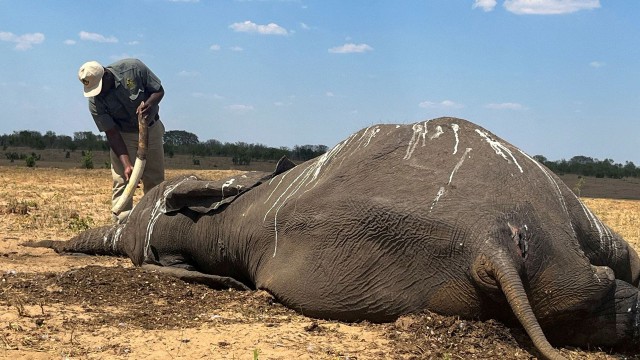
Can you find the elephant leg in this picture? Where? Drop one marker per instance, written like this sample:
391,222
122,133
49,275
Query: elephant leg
193,276
613,323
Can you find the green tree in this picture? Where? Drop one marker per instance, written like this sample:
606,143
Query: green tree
31,161
180,138
87,160
88,140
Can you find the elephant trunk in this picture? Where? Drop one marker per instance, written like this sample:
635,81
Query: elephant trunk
509,280
104,240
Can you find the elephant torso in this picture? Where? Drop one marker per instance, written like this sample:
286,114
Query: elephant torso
388,222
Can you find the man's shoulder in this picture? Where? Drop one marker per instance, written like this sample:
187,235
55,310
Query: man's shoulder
126,64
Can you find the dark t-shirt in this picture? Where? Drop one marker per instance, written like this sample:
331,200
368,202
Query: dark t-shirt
134,82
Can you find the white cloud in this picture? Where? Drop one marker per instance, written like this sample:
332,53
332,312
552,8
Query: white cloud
240,108
236,48
448,104
122,56
69,42
549,7
253,28
200,95
134,42
304,26
88,36
597,64
214,47
329,94
350,48
505,106
23,42
184,1
185,73
486,5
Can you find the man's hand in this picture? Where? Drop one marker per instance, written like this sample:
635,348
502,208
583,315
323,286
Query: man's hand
148,108
143,108
128,168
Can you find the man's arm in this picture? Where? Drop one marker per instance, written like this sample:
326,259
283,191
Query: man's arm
152,101
120,149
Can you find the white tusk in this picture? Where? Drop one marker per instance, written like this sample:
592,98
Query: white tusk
138,166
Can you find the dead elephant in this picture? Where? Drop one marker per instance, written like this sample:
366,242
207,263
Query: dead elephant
440,215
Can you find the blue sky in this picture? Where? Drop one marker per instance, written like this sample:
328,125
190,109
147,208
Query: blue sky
554,77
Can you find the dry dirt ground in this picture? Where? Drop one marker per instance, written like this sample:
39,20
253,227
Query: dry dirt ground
86,307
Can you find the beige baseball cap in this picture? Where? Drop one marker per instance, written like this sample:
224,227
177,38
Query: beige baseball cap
90,74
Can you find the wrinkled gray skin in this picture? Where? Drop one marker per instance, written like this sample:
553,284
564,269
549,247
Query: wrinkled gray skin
439,215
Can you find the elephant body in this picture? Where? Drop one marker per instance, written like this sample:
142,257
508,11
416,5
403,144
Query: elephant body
440,215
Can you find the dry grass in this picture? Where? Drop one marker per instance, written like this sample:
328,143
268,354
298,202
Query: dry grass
58,203
623,216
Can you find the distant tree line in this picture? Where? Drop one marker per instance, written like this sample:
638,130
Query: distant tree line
175,142
586,166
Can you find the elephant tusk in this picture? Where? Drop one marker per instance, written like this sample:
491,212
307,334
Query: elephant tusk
138,167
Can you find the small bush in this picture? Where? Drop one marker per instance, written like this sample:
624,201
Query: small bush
31,161
20,207
78,223
87,160
12,156
578,187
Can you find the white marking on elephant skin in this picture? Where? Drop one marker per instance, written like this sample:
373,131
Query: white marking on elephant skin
499,148
365,138
455,128
419,132
464,156
372,134
439,132
276,188
307,176
116,237
345,144
438,196
227,184
158,209
442,189
555,186
603,231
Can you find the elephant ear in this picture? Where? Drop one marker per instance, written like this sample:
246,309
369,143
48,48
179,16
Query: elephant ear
284,165
203,196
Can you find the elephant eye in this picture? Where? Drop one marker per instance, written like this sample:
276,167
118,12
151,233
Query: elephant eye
523,244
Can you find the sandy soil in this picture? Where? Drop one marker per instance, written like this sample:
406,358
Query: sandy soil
86,307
